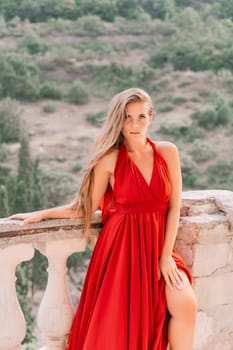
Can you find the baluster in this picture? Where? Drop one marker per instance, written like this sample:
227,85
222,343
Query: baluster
12,321
56,311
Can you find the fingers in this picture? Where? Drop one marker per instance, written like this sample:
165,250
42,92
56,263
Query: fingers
16,217
32,219
173,277
29,220
168,281
176,279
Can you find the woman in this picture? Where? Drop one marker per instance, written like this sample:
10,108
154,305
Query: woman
137,293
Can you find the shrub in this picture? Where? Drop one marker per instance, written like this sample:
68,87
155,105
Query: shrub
179,100
3,151
114,75
159,58
59,186
174,130
160,8
189,171
10,126
195,98
33,44
162,84
77,167
213,117
185,83
96,118
41,11
219,174
106,10
78,94
50,90
91,25
188,132
19,77
165,107
49,108
3,27
201,151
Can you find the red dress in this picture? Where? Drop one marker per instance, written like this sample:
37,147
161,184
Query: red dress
123,304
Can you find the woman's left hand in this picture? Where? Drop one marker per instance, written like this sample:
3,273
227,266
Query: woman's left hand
170,272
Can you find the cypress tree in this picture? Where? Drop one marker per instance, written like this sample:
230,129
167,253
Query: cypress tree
22,204
38,199
25,168
24,188
22,288
11,184
4,204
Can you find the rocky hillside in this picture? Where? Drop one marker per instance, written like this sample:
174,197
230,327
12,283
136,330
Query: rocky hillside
63,74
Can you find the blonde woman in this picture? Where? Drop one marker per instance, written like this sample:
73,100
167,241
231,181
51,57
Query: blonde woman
137,293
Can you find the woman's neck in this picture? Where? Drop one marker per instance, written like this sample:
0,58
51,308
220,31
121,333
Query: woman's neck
138,145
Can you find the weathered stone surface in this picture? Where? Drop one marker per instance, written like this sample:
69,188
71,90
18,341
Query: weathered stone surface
204,209
214,291
185,250
210,258
204,330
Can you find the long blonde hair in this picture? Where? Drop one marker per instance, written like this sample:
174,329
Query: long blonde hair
110,138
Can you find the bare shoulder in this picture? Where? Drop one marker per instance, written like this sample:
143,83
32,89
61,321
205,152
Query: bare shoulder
166,146
108,161
168,150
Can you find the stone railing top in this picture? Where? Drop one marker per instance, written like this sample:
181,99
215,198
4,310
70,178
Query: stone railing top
222,199
11,232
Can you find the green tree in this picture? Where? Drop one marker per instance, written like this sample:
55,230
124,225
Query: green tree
78,93
22,201
41,11
22,289
128,8
4,204
38,200
9,8
224,8
33,44
19,77
106,9
10,124
159,8
11,184
24,188
25,167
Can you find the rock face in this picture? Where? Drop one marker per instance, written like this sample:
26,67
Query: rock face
204,240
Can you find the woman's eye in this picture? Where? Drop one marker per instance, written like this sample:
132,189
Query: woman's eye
142,116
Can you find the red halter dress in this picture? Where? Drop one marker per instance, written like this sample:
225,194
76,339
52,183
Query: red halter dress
123,303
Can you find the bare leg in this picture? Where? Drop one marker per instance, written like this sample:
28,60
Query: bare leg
183,308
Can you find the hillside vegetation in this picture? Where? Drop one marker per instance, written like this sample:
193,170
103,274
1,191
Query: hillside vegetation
61,62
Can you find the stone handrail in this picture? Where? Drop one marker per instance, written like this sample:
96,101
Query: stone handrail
204,241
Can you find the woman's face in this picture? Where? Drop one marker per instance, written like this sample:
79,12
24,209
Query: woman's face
136,121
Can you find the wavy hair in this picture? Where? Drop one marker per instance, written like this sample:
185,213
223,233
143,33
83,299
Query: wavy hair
110,138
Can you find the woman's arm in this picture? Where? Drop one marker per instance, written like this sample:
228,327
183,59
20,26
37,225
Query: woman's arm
62,212
102,174
167,264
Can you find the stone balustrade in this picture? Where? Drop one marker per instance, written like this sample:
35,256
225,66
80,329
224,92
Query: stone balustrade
204,241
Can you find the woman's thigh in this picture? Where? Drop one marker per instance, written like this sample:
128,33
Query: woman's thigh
181,303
